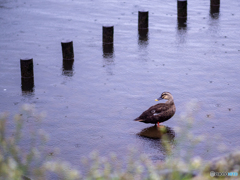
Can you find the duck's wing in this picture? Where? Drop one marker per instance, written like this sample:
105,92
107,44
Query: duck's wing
153,112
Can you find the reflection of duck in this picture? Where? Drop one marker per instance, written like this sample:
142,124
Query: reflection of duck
160,112
155,132
157,142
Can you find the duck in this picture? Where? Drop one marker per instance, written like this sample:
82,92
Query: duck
160,112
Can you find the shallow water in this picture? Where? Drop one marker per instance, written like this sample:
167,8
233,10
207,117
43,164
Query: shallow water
92,106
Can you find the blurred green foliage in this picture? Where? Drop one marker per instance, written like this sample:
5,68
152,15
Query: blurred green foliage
18,163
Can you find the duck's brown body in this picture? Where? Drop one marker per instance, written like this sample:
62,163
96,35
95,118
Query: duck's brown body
160,112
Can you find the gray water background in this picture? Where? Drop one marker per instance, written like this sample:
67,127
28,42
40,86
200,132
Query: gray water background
93,108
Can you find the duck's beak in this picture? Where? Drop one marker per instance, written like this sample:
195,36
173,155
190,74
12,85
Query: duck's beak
159,99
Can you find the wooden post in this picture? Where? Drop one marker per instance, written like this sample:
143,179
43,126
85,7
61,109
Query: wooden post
142,26
68,58
214,8
215,2
107,36
27,75
107,39
182,8
142,19
67,50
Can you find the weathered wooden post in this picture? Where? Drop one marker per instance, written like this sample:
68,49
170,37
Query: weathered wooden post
67,50
27,75
67,67
215,2
142,19
68,57
108,32
182,13
107,39
214,8
182,8
143,25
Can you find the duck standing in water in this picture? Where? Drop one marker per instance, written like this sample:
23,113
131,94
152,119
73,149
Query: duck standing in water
160,112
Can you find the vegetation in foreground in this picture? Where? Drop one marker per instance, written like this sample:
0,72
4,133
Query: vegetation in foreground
30,162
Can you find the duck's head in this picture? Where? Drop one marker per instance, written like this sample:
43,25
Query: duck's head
165,95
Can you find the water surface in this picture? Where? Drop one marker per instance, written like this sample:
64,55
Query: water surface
92,106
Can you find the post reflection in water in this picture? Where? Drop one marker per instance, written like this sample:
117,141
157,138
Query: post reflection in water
143,37
108,57
159,138
182,23
67,67
214,20
182,29
214,12
27,86
108,50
